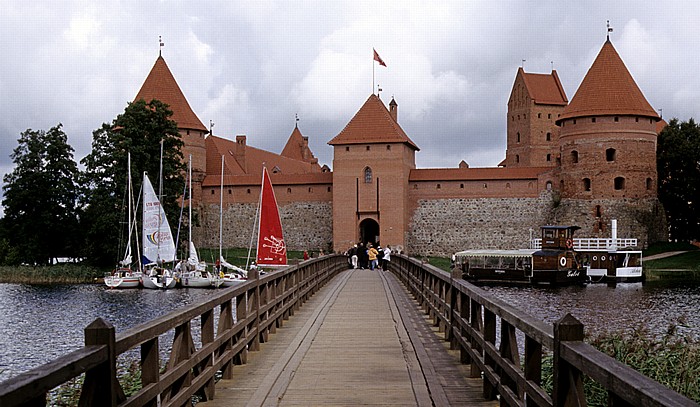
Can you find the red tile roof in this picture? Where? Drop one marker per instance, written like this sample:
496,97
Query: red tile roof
608,89
372,124
466,174
251,159
212,180
544,89
161,85
297,148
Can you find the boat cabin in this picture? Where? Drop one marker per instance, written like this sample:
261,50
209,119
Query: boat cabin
558,237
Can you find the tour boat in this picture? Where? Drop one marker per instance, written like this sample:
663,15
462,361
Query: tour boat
123,276
193,272
157,241
610,260
556,263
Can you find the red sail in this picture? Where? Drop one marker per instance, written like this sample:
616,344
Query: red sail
272,250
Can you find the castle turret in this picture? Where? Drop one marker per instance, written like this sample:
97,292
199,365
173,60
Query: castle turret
608,135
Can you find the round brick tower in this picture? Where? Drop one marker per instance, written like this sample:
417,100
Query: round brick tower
608,135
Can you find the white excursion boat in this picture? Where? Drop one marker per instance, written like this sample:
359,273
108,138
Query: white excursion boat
157,240
609,260
193,272
123,276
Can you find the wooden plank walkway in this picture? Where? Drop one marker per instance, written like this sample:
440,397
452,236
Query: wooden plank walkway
359,341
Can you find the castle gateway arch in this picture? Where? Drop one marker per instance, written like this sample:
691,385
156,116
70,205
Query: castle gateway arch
369,231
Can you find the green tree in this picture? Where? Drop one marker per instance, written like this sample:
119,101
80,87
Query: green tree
678,163
139,131
40,198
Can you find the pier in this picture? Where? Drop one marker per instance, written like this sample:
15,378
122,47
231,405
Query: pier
320,334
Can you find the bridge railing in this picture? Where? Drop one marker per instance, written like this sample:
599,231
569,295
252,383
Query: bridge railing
261,305
486,331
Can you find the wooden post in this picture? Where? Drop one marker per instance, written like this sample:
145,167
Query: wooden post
489,389
241,315
225,324
254,302
568,381
101,387
207,324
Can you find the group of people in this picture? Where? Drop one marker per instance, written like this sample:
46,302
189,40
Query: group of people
362,256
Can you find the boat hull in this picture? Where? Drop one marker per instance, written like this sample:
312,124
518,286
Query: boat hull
123,278
158,282
199,280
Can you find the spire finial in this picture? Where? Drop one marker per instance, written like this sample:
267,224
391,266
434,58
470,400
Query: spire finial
379,89
161,45
552,63
296,119
211,128
609,29
522,64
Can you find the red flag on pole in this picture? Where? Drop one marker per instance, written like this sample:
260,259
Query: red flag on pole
378,58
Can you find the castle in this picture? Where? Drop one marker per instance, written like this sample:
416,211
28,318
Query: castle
583,162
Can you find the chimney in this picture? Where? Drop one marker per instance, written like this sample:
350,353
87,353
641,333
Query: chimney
240,151
394,110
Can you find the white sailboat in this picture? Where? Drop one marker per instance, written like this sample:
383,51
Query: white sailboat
233,274
123,276
193,272
157,239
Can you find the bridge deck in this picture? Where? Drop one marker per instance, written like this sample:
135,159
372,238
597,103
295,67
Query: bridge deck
359,341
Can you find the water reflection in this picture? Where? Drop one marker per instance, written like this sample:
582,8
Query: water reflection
654,305
40,323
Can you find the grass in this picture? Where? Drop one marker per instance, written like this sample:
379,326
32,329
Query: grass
684,261
56,274
663,247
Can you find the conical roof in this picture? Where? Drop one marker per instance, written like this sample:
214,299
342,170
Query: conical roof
608,89
372,124
161,85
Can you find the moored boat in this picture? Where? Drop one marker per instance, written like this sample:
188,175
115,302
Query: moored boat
157,241
556,263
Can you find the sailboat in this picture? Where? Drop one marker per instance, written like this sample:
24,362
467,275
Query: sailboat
272,251
123,276
233,274
157,239
193,271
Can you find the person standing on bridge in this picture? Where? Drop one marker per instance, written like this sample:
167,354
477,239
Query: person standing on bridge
372,256
362,255
386,258
353,256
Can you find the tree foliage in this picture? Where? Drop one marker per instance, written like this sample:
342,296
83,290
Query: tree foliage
678,162
40,198
139,131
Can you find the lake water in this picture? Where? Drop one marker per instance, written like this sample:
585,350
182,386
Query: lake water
40,323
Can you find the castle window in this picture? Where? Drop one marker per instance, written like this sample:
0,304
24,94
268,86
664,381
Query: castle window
587,184
347,148
549,115
415,186
248,191
610,154
539,115
598,211
188,132
329,189
438,186
548,185
289,190
561,185
650,184
367,148
311,189
549,157
229,191
574,156
388,147
507,185
486,185
574,121
617,119
368,175
524,116
212,192
461,186
518,117
518,137
549,136
636,119
517,158
619,183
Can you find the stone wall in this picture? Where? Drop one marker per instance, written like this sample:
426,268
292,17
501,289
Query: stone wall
307,225
440,227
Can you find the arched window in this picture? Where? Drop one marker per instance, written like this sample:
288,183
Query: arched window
368,175
549,157
574,156
517,158
548,185
587,184
619,183
610,154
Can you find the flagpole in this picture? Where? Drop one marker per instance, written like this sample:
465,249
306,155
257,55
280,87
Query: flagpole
373,72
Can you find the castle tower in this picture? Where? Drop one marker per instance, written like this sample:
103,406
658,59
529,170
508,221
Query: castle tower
160,84
535,103
372,160
608,135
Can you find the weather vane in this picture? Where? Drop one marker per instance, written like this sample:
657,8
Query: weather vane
522,63
296,119
211,127
379,89
161,44
609,29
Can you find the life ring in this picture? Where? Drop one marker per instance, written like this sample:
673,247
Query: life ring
562,261
569,244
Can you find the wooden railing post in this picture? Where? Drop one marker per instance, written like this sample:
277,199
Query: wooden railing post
254,304
568,381
101,387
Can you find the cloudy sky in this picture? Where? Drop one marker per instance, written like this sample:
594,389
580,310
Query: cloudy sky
251,66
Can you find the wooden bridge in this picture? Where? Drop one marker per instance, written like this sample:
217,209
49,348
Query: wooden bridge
320,334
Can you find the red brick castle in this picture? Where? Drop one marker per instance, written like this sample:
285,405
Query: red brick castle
582,162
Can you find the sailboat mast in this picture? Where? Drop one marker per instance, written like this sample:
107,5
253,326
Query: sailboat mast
257,219
129,198
160,197
189,218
